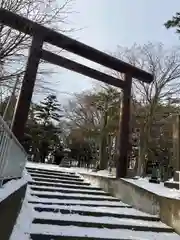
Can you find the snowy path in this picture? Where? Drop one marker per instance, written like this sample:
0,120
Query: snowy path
59,205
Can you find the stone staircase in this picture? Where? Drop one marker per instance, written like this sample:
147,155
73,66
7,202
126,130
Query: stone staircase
67,207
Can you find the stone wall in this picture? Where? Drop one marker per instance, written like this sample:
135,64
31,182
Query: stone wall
141,199
170,212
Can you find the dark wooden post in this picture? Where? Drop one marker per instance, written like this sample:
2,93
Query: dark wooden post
24,100
121,168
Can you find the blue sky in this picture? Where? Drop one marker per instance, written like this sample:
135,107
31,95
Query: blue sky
106,24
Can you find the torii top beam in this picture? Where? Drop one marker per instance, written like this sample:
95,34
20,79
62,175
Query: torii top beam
58,39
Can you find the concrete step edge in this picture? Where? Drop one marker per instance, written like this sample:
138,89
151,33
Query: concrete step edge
60,171
57,177
42,183
60,181
54,174
76,191
103,225
80,204
55,237
56,196
97,214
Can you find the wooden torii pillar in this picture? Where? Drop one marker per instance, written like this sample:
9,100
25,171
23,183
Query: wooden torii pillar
41,34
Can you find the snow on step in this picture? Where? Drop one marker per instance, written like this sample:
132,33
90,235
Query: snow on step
48,195
91,219
68,177
57,171
65,188
59,180
52,174
56,194
59,189
100,233
126,211
64,184
77,202
48,167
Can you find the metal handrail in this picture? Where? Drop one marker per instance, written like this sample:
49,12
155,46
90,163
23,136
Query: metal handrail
11,133
13,157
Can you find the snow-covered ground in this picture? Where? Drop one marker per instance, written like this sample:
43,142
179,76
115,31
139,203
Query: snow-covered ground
158,189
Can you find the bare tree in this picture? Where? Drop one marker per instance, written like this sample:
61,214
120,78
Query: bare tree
14,45
164,64
82,112
96,114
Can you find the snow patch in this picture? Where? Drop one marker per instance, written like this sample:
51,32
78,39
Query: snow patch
58,189
24,221
104,173
72,201
45,166
158,189
13,185
100,209
56,194
104,220
70,181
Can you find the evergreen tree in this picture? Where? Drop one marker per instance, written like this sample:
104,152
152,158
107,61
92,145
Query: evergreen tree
44,126
49,110
174,22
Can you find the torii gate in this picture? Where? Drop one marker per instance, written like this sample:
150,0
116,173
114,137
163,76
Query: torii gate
41,34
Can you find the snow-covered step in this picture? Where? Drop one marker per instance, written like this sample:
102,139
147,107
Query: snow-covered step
60,181
66,207
59,195
60,171
91,202
52,232
67,185
67,190
57,177
53,237
35,200
59,219
65,174
130,225
97,211
52,173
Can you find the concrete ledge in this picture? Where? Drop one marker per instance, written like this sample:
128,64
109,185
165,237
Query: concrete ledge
172,184
168,209
9,210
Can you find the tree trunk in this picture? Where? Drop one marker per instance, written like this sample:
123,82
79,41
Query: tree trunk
103,144
103,153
